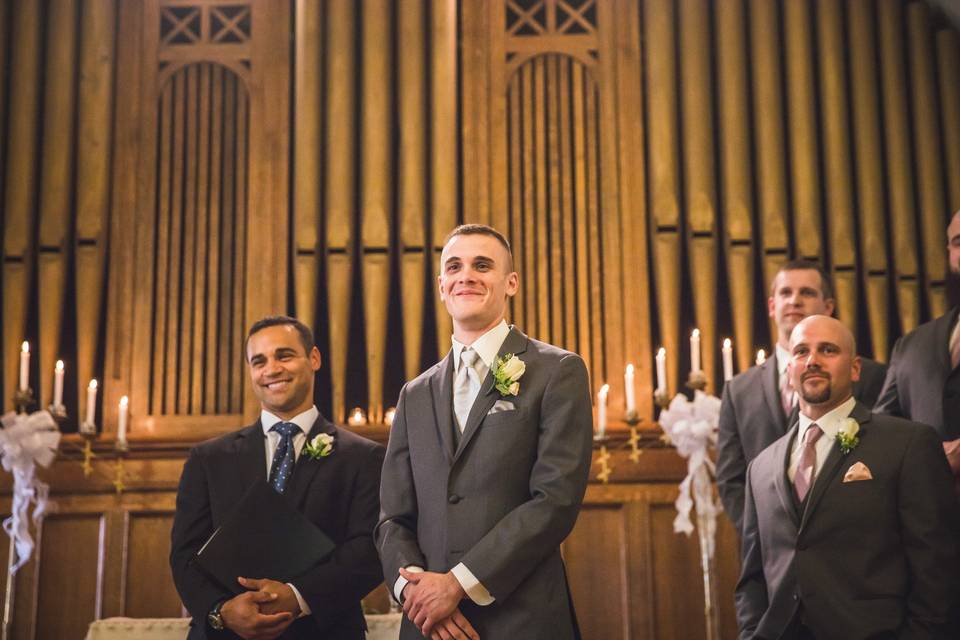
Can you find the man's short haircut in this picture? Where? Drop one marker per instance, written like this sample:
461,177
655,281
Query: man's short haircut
481,230
802,264
306,335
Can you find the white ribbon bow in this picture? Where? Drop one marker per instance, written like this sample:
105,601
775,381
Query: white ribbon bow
25,442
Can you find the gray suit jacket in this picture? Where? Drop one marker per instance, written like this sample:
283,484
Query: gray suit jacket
868,559
751,418
921,385
501,497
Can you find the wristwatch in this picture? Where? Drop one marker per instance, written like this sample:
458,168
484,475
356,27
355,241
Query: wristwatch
214,619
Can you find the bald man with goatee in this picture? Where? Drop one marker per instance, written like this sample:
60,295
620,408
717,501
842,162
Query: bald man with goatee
851,529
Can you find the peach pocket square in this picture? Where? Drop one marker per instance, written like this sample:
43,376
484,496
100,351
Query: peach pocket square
857,472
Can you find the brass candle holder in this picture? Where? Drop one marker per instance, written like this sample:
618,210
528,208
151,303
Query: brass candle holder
23,400
697,381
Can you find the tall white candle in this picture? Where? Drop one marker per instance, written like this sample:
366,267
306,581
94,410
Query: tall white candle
602,410
628,385
662,370
91,403
695,351
58,384
727,359
24,366
761,357
122,420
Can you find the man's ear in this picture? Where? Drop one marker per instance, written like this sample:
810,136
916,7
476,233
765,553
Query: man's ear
829,305
513,284
770,306
315,359
855,369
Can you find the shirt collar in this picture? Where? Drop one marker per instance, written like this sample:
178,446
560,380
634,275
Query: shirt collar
303,420
829,422
783,357
487,346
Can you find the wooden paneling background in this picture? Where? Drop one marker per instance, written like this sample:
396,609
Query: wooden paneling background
171,170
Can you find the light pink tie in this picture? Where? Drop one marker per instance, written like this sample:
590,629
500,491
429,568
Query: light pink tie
808,459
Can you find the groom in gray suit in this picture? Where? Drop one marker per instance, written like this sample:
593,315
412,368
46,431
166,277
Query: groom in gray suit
486,467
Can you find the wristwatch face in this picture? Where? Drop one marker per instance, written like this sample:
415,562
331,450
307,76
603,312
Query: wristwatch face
214,619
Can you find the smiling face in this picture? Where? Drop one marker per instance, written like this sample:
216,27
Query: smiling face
823,364
281,370
796,294
476,278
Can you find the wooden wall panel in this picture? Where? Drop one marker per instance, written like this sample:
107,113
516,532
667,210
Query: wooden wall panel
70,546
147,554
601,534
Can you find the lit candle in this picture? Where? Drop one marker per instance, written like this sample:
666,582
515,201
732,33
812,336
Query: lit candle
91,407
357,418
122,421
628,385
727,359
662,370
602,410
389,415
25,366
695,351
58,384
761,357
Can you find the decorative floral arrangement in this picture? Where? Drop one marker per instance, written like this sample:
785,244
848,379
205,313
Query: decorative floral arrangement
507,373
320,447
847,435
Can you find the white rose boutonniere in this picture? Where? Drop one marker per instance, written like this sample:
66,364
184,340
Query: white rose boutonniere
507,373
320,447
847,435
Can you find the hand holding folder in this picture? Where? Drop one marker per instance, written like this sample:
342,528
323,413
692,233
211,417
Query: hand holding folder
264,537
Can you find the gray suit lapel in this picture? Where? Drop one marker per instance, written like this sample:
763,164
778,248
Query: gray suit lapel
306,467
441,389
515,343
771,393
831,465
782,480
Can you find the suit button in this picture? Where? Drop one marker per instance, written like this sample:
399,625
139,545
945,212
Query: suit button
454,499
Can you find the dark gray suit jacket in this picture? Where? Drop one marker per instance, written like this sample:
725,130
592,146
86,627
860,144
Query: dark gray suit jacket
921,385
868,559
502,499
751,417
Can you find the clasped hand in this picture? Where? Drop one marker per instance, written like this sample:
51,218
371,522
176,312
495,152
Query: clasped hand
430,601
264,612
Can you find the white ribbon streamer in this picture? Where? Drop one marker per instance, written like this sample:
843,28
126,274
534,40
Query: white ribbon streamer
692,428
25,442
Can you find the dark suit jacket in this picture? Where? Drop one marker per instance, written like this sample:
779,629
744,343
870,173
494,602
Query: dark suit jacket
751,417
339,493
921,385
869,559
502,499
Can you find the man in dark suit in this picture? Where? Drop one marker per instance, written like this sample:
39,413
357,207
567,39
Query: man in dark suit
923,382
338,492
757,404
486,467
851,530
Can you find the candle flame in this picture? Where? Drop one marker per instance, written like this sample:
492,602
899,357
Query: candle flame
124,402
25,347
629,368
695,334
761,356
93,384
662,353
389,415
59,366
726,343
604,390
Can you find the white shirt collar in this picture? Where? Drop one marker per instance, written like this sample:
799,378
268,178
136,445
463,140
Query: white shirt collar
303,420
487,346
829,422
783,357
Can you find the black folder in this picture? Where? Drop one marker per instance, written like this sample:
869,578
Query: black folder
264,537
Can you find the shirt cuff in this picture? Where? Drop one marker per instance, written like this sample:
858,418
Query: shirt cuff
475,591
402,582
304,609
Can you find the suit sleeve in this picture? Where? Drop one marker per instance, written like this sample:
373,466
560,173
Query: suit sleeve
930,526
353,570
731,461
192,525
750,596
520,541
889,401
396,531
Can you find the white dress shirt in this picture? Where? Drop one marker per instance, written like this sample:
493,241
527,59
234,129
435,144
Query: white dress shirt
487,347
783,357
829,423
305,421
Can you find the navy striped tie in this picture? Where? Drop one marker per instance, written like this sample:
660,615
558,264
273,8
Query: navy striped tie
284,457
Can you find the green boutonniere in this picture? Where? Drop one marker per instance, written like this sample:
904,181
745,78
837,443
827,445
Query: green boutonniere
507,374
320,447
